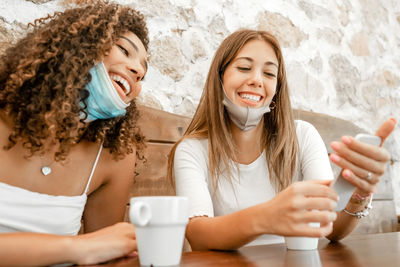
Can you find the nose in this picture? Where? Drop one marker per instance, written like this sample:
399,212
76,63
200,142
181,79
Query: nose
256,79
137,70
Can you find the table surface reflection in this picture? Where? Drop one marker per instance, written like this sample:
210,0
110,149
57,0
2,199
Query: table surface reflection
357,250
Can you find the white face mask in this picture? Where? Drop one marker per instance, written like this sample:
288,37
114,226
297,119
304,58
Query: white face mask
245,118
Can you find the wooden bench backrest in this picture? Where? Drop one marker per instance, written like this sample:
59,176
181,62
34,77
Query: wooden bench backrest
163,129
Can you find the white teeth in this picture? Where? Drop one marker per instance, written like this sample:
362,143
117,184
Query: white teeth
124,82
251,97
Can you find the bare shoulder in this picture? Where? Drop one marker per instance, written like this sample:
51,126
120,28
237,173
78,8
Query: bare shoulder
109,190
110,163
110,170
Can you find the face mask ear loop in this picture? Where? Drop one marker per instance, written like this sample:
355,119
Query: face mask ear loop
222,85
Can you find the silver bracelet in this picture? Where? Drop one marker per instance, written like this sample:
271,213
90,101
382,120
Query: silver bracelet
363,213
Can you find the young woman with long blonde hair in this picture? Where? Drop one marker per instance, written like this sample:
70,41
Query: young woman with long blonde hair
253,173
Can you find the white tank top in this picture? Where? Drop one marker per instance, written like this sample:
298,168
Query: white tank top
22,210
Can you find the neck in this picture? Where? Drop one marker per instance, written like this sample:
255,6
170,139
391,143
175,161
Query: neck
5,118
248,144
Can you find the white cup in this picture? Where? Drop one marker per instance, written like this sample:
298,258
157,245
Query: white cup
302,243
160,224
309,258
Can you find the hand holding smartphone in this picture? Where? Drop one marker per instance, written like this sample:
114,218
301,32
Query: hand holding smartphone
342,187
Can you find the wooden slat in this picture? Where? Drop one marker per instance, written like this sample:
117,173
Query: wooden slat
162,126
385,190
152,173
330,128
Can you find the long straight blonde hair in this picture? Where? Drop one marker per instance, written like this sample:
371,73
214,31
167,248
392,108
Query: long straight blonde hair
211,119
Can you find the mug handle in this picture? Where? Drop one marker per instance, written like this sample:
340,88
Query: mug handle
140,213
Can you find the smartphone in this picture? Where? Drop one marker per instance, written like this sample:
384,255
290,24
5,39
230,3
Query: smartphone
342,187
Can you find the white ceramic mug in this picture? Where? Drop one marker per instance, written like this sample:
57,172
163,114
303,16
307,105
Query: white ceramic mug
160,224
302,243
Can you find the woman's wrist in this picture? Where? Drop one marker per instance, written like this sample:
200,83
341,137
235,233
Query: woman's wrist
356,205
73,249
69,248
360,197
359,205
259,224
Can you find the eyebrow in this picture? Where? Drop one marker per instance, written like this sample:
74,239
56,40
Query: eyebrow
136,48
268,63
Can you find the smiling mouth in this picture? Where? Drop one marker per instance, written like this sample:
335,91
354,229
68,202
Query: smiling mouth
122,83
251,98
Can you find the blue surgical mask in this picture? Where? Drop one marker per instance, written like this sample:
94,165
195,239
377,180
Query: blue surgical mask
103,101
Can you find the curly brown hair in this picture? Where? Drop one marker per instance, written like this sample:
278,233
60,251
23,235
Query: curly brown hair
43,78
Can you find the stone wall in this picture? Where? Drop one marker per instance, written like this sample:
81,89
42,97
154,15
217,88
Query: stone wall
342,57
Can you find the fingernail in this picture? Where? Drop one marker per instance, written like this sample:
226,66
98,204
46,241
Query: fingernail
333,204
335,158
346,173
335,145
346,140
333,216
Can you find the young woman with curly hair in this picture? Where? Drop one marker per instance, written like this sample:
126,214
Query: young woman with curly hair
69,136
253,173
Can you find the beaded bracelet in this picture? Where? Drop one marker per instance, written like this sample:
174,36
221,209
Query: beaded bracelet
362,213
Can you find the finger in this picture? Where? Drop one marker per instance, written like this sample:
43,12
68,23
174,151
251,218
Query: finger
129,230
305,229
318,203
316,188
362,168
317,216
132,246
358,182
386,129
359,164
351,147
132,254
322,231
369,177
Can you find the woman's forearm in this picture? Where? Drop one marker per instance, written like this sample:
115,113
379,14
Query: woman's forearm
31,249
226,232
346,223
287,214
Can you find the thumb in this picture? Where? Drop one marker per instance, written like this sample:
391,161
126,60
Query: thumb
386,129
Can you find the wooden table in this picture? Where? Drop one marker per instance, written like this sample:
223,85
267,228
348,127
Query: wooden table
381,250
